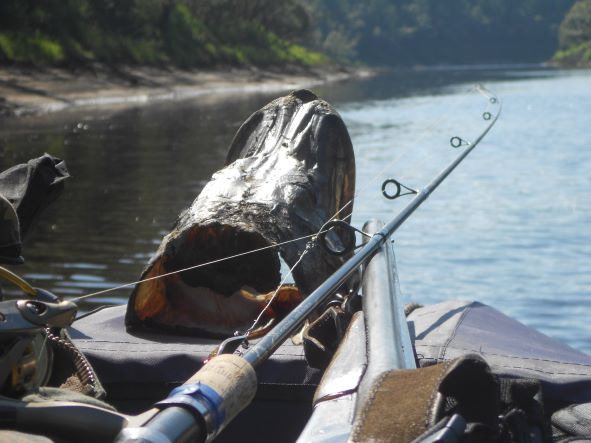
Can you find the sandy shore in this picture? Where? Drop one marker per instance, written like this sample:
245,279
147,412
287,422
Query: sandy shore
33,91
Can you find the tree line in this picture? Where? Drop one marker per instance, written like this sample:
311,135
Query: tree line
195,33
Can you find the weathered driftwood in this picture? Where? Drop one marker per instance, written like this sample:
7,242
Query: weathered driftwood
289,169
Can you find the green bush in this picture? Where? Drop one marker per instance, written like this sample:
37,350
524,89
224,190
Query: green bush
36,50
6,48
45,51
146,52
578,55
187,38
309,58
154,32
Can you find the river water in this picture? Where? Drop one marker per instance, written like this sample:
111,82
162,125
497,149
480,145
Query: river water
510,228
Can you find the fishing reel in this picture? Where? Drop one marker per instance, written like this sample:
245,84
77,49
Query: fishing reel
26,357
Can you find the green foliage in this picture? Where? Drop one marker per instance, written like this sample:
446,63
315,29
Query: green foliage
186,33
299,54
187,39
35,50
577,55
575,36
44,50
6,48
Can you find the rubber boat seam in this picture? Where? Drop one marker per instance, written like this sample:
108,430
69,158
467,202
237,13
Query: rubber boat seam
455,330
507,355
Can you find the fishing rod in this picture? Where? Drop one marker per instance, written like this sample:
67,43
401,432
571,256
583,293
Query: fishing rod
199,409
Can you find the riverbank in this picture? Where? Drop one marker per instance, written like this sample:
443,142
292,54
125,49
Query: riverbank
26,91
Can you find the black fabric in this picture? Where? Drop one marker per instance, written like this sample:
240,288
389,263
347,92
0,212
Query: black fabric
32,186
533,369
496,410
473,391
523,407
10,237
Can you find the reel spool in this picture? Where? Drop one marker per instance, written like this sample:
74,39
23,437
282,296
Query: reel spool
26,357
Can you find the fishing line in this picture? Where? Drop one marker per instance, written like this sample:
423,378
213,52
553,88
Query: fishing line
425,133
309,246
82,297
397,158
455,141
357,194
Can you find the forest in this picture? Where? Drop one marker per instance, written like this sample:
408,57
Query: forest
213,33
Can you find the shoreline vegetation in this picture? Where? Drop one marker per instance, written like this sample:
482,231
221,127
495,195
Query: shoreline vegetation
56,54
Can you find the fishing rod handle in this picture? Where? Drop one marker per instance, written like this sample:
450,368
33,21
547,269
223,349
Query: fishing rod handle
199,409
227,383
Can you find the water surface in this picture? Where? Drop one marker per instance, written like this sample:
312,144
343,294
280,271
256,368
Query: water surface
511,227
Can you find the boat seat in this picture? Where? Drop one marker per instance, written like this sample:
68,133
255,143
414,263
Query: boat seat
139,368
